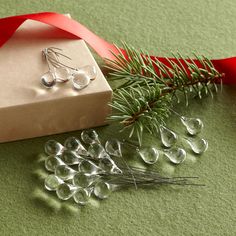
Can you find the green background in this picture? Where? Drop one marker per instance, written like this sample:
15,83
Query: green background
204,27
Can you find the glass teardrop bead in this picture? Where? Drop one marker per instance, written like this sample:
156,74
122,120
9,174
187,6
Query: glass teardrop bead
102,190
193,125
74,144
90,136
80,80
70,157
96,150
62,74
198,145
168,137
175,155
113,147
87,166
48,80
81,196
149,155
90,71
52,162
64,172
52,182
65,191
53,147
83,180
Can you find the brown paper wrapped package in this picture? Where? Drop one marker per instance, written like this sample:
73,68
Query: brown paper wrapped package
27,109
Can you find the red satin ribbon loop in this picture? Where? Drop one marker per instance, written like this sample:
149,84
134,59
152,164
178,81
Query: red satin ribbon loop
9,25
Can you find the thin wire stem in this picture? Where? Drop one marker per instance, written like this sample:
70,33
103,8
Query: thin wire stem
130,171
175,112
55,61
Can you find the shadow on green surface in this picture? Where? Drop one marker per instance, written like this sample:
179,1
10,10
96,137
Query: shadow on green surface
45,199
48,200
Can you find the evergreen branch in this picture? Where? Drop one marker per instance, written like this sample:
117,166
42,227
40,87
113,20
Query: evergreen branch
135,68
142,101
140,108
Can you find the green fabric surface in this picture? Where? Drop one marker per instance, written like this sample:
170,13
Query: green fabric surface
205,27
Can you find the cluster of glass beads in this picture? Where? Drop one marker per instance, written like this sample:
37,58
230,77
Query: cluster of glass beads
78,172
169,140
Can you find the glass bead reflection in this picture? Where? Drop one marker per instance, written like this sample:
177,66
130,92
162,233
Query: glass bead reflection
109,166
90,71
53,147
149,155
96,150
82,196
84,180
113,147
62,74
52,182
198,145
90,136
87,166
64,172
65,191
52,162
168,137
70,157
72,144
175,155
80,80
193,125
48,80
102,190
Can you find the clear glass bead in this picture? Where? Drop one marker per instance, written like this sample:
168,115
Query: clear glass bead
87,166
80,80
64,172
175,155
90,136
149,155
73,144
168,137
52,182
113,147
96,150
102,190
52,162
65,191
53,147
193,125
109,166
82,196
70,157
48,80
62,74
198,145
90,71
83,180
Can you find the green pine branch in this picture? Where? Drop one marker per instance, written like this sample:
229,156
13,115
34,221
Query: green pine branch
148,87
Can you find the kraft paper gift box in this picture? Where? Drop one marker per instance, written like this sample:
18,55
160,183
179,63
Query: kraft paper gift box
27,109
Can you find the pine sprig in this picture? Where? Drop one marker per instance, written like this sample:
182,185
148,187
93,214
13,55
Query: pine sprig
148,87
140,108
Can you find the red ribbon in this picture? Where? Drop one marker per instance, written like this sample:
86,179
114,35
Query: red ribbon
9,25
